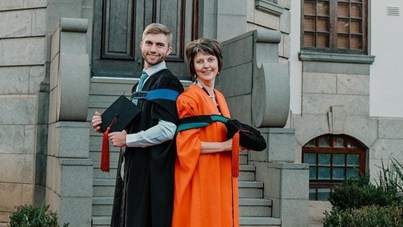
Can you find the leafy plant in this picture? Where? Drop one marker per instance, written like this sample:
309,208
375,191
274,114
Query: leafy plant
29,216
391,216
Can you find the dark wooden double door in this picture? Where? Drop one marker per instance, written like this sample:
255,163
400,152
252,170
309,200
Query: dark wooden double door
118,26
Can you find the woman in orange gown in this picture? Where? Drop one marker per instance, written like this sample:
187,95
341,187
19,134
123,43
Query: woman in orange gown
205,193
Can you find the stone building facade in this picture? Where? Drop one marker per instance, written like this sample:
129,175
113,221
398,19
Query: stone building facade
48,92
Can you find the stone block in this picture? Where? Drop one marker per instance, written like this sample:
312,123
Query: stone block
319,83
293,213
292,181
237,80
11,139
25,51
386,149
229,26
361,128
76,211
353,84
309,126
76,178
14,80
240,108
267,20
10,196
38,22
321,103
390,129
35,3
36,75
18,109
234,53
285,22
15,23
75,140
17,168
281,144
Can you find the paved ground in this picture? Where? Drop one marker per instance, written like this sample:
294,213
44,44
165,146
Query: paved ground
316,210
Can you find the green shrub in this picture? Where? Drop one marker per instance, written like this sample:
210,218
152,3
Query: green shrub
359,193
29,216
373,216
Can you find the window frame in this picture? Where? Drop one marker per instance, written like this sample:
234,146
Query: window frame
358,148
333,16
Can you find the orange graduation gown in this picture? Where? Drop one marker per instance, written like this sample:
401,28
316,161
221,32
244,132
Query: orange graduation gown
205,193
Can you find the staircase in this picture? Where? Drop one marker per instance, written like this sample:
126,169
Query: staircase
255,210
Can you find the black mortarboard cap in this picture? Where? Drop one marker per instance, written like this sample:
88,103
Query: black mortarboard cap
119,114
249,137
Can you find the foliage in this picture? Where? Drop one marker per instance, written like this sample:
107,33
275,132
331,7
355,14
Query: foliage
358,193
391,216
29,216
361,203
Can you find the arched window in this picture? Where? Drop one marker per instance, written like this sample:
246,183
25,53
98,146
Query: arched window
331,159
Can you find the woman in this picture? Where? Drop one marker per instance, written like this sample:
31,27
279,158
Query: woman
205,195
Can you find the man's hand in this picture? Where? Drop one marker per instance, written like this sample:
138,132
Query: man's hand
118,139
96,122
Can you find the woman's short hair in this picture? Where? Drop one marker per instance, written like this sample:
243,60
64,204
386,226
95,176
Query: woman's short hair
157,28
204,46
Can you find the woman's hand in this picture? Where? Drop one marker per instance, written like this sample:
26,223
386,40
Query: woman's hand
118,139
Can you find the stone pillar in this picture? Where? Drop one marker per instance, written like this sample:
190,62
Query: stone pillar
69,169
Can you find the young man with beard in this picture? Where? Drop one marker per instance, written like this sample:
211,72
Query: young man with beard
144,183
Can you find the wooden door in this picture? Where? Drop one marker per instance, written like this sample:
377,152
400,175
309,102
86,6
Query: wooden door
118,27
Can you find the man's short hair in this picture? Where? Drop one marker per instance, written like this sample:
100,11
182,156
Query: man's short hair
157,28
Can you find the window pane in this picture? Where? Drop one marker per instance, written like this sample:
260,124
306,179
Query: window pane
323,194
342,9
310,158
312,194
309,8
353,159
338,159
343,26
324,141
309,40
322,41
310,144
312,173
324,173
342,41
324,159
355,27
323,8
309,24
323,25
338,142
350,144
355,10
338,173
356,42
352,173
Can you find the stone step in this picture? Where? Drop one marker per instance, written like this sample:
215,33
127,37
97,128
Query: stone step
103,221
259,222
102,206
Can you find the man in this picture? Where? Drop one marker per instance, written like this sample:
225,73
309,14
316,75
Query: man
144,184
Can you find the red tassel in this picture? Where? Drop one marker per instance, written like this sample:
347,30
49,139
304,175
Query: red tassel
235,155
105,151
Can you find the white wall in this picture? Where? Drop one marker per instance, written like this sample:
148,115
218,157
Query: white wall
295,64
386,44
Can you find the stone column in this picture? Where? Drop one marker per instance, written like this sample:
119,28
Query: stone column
69,169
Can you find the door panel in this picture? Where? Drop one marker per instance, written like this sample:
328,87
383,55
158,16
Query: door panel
118,27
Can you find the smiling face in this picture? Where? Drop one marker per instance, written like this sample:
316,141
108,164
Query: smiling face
206,67
154,49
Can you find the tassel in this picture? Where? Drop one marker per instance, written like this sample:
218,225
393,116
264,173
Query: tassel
105,151
235,155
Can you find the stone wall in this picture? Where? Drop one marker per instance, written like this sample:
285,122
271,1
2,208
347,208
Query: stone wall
23,45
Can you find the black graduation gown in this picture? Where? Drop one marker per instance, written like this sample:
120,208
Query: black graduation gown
145,197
